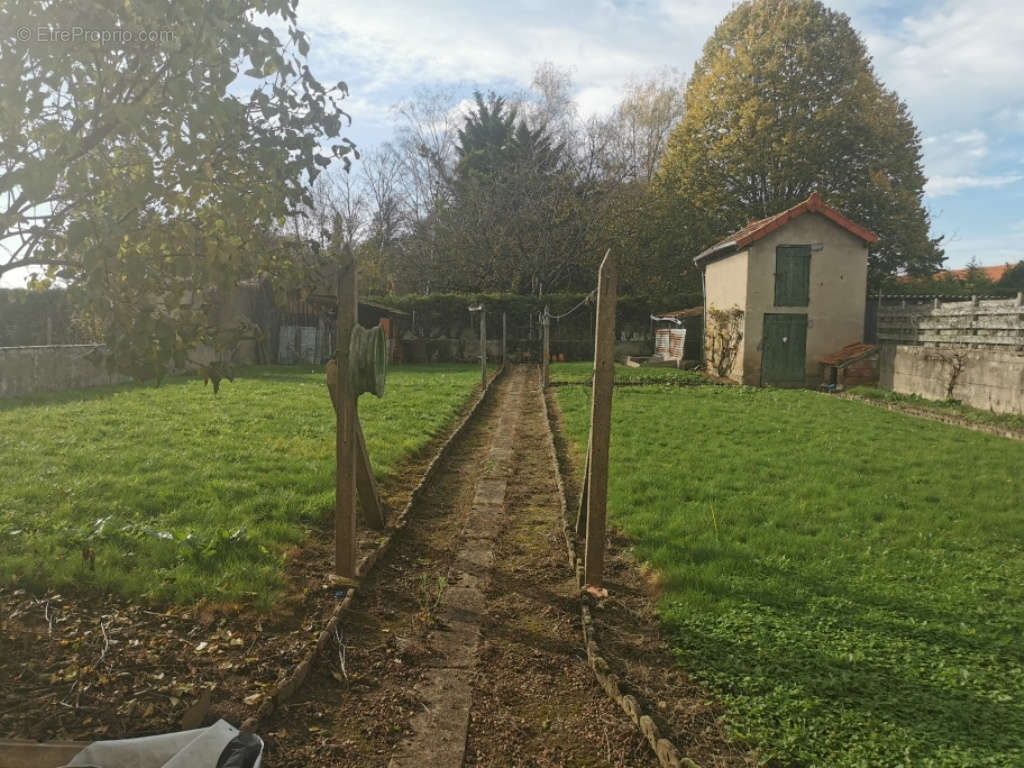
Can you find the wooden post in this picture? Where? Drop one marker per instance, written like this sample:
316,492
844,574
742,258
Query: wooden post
581,512
345,481
546,324
1020,309
504,337
596,482
483,347
366,486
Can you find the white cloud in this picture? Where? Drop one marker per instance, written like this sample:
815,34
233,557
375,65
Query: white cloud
940,186
952,62
392,46
598,99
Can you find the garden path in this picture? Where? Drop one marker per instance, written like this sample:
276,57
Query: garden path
462,647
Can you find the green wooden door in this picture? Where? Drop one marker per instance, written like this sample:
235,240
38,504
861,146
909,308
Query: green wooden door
784,350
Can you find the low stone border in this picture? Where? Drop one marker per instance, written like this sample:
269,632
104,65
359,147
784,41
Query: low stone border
287,687
649,383
667,753
926,413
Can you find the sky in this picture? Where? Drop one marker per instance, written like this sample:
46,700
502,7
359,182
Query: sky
959,66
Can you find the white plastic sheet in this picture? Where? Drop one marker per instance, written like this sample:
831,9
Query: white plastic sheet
200,748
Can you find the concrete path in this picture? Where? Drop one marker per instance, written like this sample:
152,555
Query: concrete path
446,690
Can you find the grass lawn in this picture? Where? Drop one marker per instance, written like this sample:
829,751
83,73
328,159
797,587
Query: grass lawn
951,407
581,372
849,580
182,495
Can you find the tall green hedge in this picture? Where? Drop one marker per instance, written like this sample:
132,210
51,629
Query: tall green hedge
447,315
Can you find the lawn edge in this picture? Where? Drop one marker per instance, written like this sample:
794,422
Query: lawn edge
667,753
290,684
933,415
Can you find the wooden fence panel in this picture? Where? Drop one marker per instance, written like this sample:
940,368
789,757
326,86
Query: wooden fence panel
974,323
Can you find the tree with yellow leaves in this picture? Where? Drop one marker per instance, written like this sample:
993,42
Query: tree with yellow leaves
784,102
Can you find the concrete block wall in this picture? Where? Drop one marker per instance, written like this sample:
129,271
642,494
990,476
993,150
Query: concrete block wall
990,379
28,370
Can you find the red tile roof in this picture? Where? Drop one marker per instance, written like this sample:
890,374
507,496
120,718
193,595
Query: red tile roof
755,230
849,354
992,273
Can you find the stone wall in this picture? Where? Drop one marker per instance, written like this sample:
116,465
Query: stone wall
989,379
28,370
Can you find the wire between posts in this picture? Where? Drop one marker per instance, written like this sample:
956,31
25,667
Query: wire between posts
587,300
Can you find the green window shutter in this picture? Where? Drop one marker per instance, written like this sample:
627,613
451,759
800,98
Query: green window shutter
792,275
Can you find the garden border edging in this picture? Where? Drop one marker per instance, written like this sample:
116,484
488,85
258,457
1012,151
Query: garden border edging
667,753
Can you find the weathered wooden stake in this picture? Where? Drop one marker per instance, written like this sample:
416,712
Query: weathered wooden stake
596,482
483,347
345,481
366,486
581,513
546,323
369,497
504,337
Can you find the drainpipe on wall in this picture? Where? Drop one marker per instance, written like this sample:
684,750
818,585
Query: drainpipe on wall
704,304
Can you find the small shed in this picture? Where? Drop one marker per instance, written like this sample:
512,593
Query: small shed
783,293
853,365
370,314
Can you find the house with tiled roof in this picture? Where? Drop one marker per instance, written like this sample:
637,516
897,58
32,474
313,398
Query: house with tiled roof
993,273
783,293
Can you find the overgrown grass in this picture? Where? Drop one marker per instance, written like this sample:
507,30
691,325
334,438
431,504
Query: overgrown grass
953,407
171,494
581,372
849,580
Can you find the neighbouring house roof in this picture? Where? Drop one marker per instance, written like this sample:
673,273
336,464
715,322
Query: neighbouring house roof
851,353
755,230
993,273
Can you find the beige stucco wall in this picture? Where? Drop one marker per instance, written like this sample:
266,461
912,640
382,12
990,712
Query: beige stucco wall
835,312
726,287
